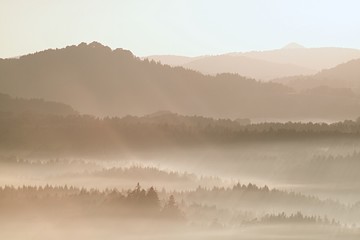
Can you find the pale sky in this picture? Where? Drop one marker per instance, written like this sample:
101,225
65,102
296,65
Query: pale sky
182,27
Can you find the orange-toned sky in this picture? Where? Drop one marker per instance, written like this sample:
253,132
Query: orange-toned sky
183,27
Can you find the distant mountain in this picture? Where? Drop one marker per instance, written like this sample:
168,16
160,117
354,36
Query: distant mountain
97,80
293,59
346,75
38,106
293,46
312,58
245,66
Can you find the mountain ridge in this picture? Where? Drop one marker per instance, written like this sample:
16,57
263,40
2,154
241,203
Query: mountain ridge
97,80
345,75
13,105
301,61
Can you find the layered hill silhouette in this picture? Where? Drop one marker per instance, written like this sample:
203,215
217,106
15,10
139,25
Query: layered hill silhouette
12,105
96,80
246,66
84,134
313,58
345,76
293,59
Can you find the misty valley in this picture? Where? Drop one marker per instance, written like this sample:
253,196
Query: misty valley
96,143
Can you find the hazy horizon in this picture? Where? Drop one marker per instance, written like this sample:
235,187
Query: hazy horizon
249,51
184,28
168,120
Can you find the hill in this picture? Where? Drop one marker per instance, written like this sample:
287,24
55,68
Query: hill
38,106
312,58
245,66
346,75
83,133
97,80
293,59
242,65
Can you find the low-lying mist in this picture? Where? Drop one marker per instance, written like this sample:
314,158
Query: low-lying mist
167,176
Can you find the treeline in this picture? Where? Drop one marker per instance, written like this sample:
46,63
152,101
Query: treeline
329,169
64,201
49,162
297,218
49,199
152,174
251,197
86,168
83,133
13,105
146,173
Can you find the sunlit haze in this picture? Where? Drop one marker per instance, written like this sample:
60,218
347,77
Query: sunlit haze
184,119
181,27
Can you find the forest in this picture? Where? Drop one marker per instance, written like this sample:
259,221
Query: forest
169,120
80,133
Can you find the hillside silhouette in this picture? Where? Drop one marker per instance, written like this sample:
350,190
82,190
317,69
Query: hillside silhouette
292,59
312,58
245,66
88,134
9,104
238,64
346,75
96,80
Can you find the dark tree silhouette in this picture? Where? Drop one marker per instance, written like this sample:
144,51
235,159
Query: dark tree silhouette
172,210
152,199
